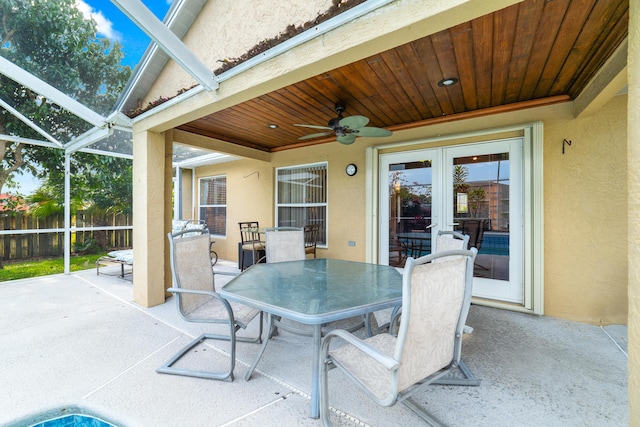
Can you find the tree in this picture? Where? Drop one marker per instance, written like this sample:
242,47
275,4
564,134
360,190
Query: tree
102,186
460,186
476,197
52,40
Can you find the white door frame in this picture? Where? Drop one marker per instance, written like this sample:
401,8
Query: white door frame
533,209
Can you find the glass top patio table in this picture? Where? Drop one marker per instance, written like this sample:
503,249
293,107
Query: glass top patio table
314,292
317,291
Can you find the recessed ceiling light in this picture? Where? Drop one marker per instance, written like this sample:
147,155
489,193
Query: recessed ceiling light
273,126
447,82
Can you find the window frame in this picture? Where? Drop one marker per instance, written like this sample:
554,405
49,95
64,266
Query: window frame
325,205
225,205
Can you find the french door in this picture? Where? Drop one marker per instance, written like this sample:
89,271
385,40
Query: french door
476,189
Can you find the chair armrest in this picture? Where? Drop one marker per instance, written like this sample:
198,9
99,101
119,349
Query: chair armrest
388,362
226,273
195,292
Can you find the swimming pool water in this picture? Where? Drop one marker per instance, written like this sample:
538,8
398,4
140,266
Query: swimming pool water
74,421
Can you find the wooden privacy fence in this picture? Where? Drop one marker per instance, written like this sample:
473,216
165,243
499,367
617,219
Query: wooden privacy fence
24,236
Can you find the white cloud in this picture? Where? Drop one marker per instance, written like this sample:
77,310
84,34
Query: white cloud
105,26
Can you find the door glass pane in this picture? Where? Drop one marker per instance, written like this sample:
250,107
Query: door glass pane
410,196
481,210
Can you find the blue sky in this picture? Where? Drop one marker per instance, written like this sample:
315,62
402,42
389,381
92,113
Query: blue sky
115,25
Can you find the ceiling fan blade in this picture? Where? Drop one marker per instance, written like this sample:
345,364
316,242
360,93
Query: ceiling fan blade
354,122
314,127
316,135
371,131
347,139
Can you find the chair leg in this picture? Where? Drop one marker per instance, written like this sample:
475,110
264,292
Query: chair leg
468,380
367,324
167,367
422,413
262,348
325,420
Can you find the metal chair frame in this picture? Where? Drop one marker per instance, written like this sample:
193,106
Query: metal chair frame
222,312
250,241
390,361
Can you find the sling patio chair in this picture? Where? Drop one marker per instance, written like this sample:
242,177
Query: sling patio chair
198,301
284,244
445,241
389,369
384,319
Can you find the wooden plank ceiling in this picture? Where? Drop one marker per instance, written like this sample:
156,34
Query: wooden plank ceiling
534,50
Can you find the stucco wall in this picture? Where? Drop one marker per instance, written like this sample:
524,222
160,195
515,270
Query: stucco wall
252,198
249,198
585,205
218,35
586,217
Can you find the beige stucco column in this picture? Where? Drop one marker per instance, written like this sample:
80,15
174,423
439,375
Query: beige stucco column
633,162
149,208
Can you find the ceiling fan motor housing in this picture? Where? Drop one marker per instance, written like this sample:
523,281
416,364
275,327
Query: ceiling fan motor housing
335,122
346,128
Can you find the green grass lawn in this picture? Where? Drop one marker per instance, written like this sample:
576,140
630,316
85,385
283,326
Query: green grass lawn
44,267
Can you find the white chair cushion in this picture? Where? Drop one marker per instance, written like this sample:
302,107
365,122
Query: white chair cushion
125,255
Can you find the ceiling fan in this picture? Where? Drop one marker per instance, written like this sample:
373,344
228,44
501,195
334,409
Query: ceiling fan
346,128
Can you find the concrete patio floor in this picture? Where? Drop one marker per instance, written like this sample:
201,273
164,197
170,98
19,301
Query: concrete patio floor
79,341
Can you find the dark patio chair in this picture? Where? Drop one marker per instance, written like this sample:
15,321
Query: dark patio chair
311,238
250,241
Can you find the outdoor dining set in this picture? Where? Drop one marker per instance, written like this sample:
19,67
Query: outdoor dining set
405,328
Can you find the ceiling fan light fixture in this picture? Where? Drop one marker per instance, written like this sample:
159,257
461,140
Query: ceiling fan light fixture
448,82
346,128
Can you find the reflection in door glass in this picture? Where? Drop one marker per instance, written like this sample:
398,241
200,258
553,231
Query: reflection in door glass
410,191
481,210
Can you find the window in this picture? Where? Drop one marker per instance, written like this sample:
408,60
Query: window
213,204
301,197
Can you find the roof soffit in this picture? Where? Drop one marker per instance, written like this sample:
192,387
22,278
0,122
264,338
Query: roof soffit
391,25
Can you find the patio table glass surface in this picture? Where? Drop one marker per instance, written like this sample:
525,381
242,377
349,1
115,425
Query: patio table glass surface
315,292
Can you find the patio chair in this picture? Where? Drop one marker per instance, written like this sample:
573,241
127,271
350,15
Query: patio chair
449,240
397,251
198,301
284,244
250,241
445,241
287,244
475,229
311,238
390,369
389,318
